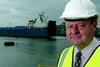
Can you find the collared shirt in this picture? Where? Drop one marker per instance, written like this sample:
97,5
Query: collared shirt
87,51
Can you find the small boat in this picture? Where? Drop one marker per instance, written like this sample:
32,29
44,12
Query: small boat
9,43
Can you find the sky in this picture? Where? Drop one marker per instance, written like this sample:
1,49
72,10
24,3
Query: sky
19,12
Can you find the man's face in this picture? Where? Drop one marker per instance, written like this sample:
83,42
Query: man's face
80,32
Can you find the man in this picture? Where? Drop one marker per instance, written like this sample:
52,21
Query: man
80,20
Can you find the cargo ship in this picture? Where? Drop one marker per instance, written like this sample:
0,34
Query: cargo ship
39,27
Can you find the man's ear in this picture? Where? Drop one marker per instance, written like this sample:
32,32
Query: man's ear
94,24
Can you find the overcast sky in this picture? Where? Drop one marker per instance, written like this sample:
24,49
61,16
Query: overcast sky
19,12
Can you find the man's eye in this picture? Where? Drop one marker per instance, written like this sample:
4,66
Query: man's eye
69,26
82,25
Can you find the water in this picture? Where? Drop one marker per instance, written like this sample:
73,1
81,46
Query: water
31,52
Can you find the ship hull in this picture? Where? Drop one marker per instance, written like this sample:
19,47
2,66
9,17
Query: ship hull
37,32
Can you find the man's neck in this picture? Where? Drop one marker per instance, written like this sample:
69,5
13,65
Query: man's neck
83,45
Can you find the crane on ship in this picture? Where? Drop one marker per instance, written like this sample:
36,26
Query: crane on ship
39,22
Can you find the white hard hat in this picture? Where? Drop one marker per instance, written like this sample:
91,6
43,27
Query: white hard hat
76,9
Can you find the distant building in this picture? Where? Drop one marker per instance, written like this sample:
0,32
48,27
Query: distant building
97,33
60,30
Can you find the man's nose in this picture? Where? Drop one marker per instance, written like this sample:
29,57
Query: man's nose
75,30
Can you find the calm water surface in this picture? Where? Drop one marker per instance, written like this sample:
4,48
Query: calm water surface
31,52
